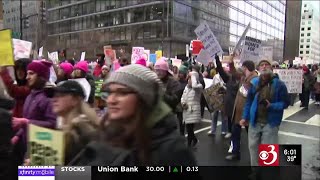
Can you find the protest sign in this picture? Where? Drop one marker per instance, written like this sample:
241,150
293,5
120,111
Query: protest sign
203,57
146,55
213,97
266,53
137,53
6,53
40,52
250,49
237,47
176,62
110,54
21,49
158,54
292,78
297,60
83,55
153,58
208,82
210,42
46,146
85,85
53,76
54,57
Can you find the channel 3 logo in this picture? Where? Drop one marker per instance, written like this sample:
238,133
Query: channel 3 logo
268,155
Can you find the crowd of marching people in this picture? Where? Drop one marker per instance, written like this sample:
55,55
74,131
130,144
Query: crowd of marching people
137,114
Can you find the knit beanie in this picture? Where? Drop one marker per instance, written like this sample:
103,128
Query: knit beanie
142,62
140,79
67,68
183,69
82,65
41,68
266,61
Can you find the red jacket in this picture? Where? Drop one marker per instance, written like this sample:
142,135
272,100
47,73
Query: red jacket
97,70
19,93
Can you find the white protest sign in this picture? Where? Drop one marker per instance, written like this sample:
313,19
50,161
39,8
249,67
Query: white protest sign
266,53
237,47
83,55
250,49
85,85
292,78
53,76
210,42
40,54
208,82
176,62
146,55
297,60
22,49
203,57
137,53
54,57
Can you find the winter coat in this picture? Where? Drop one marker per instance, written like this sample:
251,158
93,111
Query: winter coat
191,97
19,93
182,85
242,97
317,83
232,85
167,146
279,101
171,93
6,133
38,109
308,82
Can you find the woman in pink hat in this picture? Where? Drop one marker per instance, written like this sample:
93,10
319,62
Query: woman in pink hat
171,86
64,72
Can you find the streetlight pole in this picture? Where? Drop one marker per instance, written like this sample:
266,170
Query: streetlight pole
21,19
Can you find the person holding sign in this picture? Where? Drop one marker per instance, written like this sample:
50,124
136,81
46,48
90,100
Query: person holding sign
75,117
266,100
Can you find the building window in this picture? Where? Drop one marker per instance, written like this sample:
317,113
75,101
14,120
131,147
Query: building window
303,23
308,40
301,52
301,46
309,28
307,52
305,10
305,5
309,22
310,16
302,40
308,46
302,35
302,29
303,17
308,34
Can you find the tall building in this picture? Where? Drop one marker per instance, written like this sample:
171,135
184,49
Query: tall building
1,14
309,49
267,20
33,26
89,25
292,33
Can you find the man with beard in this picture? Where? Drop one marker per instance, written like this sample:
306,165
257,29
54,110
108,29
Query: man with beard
266,100
139,128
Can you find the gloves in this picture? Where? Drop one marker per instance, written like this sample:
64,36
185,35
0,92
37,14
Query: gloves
14,140
17,123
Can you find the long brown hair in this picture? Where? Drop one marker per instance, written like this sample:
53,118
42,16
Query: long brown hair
140,140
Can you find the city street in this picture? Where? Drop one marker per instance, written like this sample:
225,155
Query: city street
298,127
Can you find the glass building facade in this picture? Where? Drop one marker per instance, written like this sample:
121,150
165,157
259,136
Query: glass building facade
88,25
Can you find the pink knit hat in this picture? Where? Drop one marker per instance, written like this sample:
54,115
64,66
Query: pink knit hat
82,65
161,64
142,62
67,68
41,68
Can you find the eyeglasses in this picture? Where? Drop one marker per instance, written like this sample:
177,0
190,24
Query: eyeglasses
120,92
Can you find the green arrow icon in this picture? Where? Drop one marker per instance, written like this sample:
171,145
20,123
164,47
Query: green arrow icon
175,170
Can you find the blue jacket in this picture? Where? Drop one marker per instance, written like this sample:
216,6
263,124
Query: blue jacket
279,102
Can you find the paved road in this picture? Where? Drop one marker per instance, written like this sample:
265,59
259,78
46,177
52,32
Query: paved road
299,126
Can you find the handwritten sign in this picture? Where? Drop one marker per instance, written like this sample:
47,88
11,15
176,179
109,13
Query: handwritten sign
250,49
40,52
237,47
208,39
266,53
137,53
292,78
54,57
176,62
22,49
83,55
46,146
6,53
158,54
203,57
110,54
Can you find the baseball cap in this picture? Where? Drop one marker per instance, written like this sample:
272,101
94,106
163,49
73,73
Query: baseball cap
70,87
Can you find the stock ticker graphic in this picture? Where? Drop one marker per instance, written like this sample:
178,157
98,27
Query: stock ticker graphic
279,155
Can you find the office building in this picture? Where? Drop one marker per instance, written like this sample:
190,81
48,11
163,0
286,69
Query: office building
292,33
309,49
267,20
33,26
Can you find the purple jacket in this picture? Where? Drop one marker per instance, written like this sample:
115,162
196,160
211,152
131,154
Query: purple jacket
38,109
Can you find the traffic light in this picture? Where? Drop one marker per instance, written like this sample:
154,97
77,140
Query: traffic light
26,23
